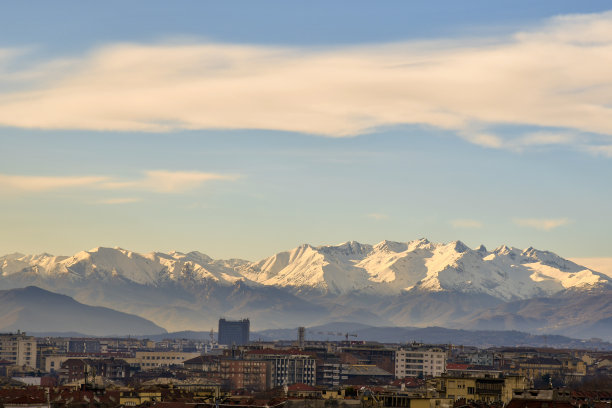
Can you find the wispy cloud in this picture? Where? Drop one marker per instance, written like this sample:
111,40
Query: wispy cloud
541,223
466,223
162,181
378,216
556,75
36,184
120,200
158,181
520,141
600,150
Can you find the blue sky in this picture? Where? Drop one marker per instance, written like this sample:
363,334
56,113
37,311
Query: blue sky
244,128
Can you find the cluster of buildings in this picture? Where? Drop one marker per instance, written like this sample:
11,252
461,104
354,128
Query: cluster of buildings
411,375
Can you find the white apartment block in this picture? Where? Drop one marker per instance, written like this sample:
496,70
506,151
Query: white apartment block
420,362
287,370
18,349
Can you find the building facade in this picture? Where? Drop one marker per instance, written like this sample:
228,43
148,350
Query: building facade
234,332
149,360
77,369
287,366
331,373
245,374
419,362
18,348
489,390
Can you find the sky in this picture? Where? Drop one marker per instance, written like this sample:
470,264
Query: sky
241,129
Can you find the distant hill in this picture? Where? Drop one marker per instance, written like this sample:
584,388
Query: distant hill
480,338
338,331
33,309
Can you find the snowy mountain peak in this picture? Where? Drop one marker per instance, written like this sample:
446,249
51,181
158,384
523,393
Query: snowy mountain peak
193,256
392,267
459,246
348,248
387,268
422,243
502,250
390,246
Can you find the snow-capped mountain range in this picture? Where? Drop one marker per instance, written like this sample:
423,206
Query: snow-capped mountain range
390,268
379,282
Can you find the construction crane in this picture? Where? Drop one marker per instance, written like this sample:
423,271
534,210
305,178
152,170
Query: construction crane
339,334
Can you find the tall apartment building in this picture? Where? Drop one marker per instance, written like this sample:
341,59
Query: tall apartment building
234,332
288,366
18,349
420,361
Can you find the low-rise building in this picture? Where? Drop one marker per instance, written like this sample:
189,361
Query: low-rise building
148,360
487,390
362,374
208,364
537,367
77,369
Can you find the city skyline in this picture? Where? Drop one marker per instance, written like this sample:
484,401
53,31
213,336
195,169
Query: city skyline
242,130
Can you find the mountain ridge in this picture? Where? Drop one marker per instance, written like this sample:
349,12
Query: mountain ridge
34,309
415,283
386,267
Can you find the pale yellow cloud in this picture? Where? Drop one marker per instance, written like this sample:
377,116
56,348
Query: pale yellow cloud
541,223
555,76
35,184
158,181
378,216
178,181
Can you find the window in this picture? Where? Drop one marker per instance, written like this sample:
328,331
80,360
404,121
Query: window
470,390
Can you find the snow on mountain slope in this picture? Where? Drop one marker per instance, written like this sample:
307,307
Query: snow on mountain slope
394,267
326,268
387,268
603,265
15,263
117,263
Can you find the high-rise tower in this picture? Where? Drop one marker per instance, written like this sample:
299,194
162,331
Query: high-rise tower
234,332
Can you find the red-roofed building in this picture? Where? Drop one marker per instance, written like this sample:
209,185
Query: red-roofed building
300,390
409,382
27,401
455,366
202,363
